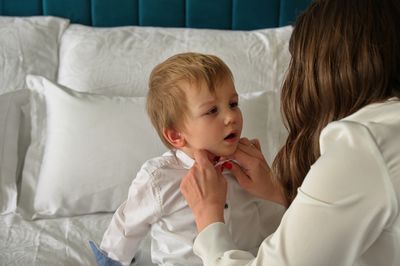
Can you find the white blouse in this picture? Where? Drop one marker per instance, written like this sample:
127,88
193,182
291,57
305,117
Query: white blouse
347,209
155,205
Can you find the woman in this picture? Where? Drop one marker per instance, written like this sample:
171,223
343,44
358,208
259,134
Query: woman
339,170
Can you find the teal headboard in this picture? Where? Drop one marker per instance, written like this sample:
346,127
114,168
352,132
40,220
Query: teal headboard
214,14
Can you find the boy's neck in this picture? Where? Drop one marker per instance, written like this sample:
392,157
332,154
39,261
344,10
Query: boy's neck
213,158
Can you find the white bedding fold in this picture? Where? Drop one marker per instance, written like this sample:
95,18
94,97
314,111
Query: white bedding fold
61,241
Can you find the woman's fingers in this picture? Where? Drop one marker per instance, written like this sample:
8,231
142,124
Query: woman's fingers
191,188
252,171
250,142
256,143
249,147
242,178
201,158
247,158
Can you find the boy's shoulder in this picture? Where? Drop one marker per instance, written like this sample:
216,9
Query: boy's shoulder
166,161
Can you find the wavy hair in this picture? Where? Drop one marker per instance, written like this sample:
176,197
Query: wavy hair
345,55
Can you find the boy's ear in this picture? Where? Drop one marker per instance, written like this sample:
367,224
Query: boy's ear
174,137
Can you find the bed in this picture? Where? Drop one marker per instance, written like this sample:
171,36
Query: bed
63,173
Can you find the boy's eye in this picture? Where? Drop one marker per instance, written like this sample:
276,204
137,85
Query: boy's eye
213,110
234,104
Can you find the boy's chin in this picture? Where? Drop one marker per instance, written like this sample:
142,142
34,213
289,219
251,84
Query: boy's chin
224,153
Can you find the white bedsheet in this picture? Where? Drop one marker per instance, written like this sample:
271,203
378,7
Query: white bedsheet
61,241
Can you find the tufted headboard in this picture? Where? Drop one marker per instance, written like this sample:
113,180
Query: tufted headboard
212,14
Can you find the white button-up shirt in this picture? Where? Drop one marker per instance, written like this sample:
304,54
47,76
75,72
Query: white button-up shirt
155,205
346,211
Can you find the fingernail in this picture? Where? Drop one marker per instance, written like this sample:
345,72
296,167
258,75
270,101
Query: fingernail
227,165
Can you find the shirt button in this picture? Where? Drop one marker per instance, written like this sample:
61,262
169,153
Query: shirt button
226,206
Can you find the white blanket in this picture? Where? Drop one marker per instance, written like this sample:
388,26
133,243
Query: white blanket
60,241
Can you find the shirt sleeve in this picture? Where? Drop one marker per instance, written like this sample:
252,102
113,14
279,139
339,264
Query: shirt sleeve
343,205
132,220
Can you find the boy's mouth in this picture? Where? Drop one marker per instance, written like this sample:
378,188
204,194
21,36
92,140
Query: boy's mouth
231,136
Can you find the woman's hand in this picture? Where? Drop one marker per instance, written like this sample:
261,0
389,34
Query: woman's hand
254,173
205,188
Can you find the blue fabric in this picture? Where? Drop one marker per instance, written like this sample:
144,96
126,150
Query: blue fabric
221,14
101,258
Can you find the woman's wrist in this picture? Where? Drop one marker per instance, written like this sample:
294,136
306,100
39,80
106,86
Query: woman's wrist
207,215
279,197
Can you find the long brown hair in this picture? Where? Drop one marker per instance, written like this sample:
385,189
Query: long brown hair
345,55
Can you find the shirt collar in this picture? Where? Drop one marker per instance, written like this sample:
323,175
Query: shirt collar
185,159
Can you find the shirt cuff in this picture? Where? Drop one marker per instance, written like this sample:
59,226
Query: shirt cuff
212,242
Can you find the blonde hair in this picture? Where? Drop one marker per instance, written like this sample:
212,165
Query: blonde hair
166,100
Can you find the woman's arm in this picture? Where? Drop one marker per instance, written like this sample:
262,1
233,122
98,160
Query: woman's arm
340,211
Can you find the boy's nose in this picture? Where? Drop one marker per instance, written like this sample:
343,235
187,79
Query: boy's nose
230,117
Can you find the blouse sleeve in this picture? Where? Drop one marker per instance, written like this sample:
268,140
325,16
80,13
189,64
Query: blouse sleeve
132,220
343,205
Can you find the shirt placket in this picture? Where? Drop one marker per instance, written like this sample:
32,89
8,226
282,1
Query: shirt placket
228,207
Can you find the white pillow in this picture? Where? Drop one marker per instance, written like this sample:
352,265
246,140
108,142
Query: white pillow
85,150
262,120
28,45
118,61
10,130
